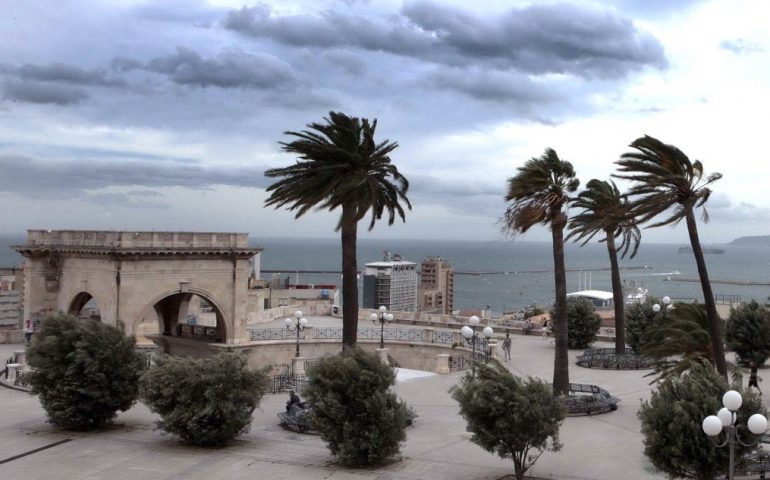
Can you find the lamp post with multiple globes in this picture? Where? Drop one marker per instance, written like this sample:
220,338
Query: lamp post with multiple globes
469,333
667,306
725,418
298,327
383,317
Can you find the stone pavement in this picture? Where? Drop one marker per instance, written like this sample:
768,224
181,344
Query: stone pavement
438,447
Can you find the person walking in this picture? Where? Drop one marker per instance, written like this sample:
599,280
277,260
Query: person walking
29,330
507,347
545,329
753,378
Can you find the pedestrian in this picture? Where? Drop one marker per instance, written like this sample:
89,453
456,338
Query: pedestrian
29,329
753,378
545,329
293,398
507,347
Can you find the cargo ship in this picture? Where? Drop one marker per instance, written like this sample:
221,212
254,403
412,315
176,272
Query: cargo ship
688,249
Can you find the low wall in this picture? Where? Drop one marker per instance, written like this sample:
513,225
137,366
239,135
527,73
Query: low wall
309,308
11,336
416,356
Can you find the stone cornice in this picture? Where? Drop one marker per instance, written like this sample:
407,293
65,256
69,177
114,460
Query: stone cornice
28,250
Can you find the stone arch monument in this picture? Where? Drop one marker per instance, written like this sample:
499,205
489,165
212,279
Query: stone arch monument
137,277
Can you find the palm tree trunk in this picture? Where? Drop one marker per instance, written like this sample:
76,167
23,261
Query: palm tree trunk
617,296
714,322
561,355
349,227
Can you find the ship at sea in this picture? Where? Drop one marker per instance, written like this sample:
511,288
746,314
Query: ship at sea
688,249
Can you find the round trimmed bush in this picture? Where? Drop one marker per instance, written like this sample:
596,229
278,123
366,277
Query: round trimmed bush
207,401
359,418
83,372
582,322
748,333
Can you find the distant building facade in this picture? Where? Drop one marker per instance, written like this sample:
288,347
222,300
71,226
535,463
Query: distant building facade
392,283
11,280
436,291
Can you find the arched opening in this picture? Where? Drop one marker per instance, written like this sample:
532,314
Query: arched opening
190,315
84,307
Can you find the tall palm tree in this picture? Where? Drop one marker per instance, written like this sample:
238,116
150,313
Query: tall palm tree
606,211
539,194
341,165
667,182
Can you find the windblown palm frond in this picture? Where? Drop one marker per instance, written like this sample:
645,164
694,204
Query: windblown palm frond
340,164
607,211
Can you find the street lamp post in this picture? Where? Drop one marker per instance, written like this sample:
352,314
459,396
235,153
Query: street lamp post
469,333
713,424
667,306
298,327
381,319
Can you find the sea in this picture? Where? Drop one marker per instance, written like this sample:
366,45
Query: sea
507,275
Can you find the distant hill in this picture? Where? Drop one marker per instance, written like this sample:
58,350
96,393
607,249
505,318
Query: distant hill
755,241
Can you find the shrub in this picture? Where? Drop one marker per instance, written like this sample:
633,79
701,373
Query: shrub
359,418
672,424
206,401
513,417
748,333
582,322
639,317
83,372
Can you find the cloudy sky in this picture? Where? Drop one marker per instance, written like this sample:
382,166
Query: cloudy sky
158,115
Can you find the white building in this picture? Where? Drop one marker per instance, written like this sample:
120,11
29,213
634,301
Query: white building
391,283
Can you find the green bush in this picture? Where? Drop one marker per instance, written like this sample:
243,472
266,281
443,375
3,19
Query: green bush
748,333
359,418
672,424
206,401
639,317
582,322
83,372
513,417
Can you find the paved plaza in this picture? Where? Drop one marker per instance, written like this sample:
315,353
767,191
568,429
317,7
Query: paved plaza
606,446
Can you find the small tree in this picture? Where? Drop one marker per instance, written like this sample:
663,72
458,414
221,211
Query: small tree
639,317
513,417
582,322
83,372
671,423
748,333
207,401
359,418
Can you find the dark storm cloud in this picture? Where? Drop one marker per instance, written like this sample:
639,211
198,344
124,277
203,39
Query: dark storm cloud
62,73
491,86
67,179
229,69
41,92
740,46
538,39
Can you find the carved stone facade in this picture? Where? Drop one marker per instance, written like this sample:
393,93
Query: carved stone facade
138,277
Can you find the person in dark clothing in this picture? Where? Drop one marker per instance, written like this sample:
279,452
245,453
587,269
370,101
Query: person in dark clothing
753,378
293,398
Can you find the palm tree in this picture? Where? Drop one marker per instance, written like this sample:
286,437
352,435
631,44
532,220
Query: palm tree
539,194
340,165
606,211
666,181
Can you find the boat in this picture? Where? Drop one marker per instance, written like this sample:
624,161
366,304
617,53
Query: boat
638,296
688,249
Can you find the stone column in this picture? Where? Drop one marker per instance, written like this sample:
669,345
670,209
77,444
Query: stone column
442,363
12,369
383,354
427,335
492,346
298,365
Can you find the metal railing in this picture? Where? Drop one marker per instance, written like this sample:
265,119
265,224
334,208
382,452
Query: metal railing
334,333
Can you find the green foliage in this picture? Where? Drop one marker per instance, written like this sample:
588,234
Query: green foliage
672,424
582,322
679,340
359,418
748,333
207,401
639,317
83,372
533,312
513,417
